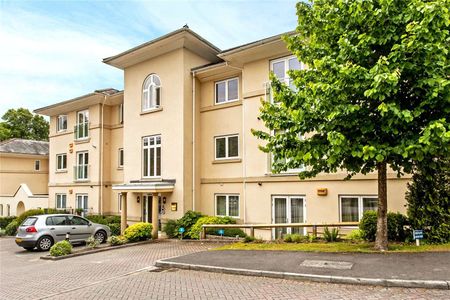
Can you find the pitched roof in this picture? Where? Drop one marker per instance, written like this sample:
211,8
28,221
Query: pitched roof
21,146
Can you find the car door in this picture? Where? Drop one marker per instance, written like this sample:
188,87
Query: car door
80,228
58,227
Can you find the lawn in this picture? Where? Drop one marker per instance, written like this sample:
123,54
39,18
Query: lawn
334,247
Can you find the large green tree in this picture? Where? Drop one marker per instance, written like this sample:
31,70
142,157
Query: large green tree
376,93
21,123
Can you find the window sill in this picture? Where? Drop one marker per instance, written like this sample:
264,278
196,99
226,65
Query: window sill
120,168
83,140
152,179
153,110
81,180
60,171
227,161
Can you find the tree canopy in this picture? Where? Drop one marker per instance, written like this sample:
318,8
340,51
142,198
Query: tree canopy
376,91
21,123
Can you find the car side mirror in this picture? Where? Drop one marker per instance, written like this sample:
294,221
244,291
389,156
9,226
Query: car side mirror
89,224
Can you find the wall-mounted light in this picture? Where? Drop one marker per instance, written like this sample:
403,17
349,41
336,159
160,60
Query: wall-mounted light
173,206
138,199
164,200
260,183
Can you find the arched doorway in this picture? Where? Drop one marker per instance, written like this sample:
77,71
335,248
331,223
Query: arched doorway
20,208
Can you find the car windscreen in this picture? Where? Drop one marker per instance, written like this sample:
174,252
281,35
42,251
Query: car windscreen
29,221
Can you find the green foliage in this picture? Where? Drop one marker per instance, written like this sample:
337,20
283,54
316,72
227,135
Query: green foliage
115,228
196,229
428,200
331,236
105,220
138,232
117,240
294,238
355,235
4,221
61,248
230,232
11,229
92,242
395,221
188,220
171,228
21,123
249,239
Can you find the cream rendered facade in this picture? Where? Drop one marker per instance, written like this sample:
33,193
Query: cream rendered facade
190,125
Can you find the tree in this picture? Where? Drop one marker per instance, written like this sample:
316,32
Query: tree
428,199
375,93
21,123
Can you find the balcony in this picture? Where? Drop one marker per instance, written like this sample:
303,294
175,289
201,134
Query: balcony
81,131
81,172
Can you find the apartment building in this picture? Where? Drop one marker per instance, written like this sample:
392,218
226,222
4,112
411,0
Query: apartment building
23,176
179,138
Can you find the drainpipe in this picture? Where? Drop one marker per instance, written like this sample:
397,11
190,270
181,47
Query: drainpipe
193,140
100,210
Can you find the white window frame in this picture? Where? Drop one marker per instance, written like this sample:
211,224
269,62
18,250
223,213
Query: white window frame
147,148
226,81
226,137
360,204
83,164
37,165
60,122
85,114
286,80
120,158
227,205
57,162
58,198
288,212
148,84
85,200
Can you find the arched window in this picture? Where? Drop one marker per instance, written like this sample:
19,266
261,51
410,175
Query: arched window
1,209
8,210
151,93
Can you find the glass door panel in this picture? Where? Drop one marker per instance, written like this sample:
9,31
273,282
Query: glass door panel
280,215
296,214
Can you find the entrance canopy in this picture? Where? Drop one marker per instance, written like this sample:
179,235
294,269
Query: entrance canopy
146,187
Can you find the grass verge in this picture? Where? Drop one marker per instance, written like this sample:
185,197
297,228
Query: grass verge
334,247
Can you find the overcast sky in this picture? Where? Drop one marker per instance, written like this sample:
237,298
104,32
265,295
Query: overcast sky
51,51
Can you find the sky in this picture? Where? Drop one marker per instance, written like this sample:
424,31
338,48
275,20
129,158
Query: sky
51,51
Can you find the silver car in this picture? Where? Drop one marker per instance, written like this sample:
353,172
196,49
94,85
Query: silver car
43,231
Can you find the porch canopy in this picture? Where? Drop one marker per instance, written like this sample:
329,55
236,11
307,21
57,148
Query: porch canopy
153,188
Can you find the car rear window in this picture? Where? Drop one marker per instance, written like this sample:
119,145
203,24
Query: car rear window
29,221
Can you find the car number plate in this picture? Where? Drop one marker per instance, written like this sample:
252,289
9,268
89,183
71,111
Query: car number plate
18,240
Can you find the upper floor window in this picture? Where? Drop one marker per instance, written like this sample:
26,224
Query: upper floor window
352,208
227,146
227,90
284,160
81,169
61,162
120,164
151,93
281,67
82,127
151,156
62,123
37,165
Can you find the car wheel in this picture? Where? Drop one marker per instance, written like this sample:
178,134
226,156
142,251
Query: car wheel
44,243
28,248
100,236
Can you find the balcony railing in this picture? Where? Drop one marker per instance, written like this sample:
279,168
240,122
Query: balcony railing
81,172
81,131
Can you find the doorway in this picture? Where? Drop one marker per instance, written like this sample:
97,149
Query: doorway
288,209
147,208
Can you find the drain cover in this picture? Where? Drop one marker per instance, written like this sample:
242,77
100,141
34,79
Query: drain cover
327,264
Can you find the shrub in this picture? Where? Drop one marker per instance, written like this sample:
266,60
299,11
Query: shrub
138,232
196,229
297,238
92,242
117,240
355,235
61,248
4,221
428,199
188,220
249,239
395,224
115,228
231,232
113,219
287,238
330,236
11,229
171,228
258,241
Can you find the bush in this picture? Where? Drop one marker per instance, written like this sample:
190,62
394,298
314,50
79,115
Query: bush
117,240
287,238
4,221
61,248
92,242
196,229
330,236
395,224
105,220
138,232
249,239
188,220
355,235
231,232
171,229
428,200
11,229
115,228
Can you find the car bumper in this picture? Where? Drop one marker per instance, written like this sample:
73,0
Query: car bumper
25,242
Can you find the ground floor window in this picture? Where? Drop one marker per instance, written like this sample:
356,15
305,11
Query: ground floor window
227,205
288,209
82,203
61,201
352,208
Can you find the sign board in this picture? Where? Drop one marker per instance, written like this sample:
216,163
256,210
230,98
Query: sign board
417,234
221,231
181,230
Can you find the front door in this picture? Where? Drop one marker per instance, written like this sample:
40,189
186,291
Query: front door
147,208
287,209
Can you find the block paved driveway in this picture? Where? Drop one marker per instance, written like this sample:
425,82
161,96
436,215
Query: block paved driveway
124,274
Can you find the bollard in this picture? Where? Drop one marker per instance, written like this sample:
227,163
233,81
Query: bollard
203,236
252,232
68,236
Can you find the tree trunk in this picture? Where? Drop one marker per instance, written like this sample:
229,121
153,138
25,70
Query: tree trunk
381,241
